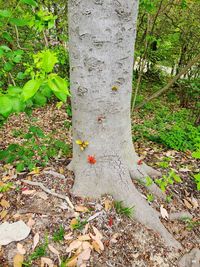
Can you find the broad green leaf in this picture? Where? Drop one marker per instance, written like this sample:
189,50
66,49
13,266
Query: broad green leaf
30,88
61,96
7,36
29,2
19,22
14,91
46,91
17,105
8,66
40,99
5,13
45,60
5,48
5,105
17,58
49,61
21,75
59,86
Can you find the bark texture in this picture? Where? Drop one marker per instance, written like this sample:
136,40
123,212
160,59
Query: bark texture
102,36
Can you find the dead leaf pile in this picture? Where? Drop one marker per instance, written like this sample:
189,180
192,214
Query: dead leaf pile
82,247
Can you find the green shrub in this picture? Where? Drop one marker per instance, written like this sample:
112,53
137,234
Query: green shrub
35,151
174,130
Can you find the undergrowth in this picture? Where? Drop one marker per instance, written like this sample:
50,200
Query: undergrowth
36,150
174,129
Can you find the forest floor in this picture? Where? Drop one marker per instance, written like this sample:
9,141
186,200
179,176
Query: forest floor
93,234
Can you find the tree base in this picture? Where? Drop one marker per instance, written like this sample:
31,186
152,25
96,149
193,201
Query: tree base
110,176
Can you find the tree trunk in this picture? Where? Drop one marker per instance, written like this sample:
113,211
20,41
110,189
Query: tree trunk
102,34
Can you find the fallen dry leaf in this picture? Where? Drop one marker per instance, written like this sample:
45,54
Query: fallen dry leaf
114,238
3,214
84,256
21,249
164,212
97,233
86,245
53,250
84,237
5,204
35,171
96,247
74,245
46,262
30,222
18,260
73,221
36,239
187,204
108,204
68,236
81,209
194,203
86,228
72,262
97,237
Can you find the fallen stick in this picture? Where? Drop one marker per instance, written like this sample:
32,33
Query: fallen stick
47,190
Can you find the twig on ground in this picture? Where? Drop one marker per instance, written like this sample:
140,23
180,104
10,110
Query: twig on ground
47,190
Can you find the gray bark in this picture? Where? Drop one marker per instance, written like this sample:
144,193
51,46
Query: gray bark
102,34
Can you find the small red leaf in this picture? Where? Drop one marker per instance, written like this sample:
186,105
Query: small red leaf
140,162
24,188
91,159
110,222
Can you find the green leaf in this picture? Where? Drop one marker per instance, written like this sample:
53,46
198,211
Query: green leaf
21,75
19,22
196,154
17,105
177,178
20,167
17,58
8,66
30,88
5,48
5,13
46,91
61,96
29,2
40,99
7,37
59,86
49,61
14,91
45,60
5,106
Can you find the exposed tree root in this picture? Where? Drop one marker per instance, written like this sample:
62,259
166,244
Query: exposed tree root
48,191
180,215
140,174
110,176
